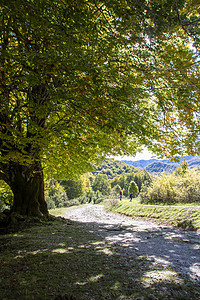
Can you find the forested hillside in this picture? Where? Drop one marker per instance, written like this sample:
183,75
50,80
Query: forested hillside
159,167
114,168
142,163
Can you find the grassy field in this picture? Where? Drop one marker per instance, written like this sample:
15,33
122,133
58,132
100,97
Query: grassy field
60,259
187,216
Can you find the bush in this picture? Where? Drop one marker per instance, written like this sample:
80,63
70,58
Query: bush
99,197
189,187
90,196
83,200
99,200
56,195
50,203
178,187
112,202
6,196
72,202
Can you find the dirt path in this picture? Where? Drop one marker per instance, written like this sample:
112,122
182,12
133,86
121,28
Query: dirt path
164,245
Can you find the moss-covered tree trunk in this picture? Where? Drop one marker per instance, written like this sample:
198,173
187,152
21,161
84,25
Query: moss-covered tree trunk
27,184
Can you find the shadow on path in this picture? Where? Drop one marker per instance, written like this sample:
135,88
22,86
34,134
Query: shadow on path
167,246
88,260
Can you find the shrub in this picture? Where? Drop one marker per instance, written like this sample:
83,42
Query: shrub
83,200
50,203
189,187
6,196
99,200
112,202
182,187
56,195
72,202
90,196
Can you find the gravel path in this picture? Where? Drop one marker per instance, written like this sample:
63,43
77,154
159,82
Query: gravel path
161,244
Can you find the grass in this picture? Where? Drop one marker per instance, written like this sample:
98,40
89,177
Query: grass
187,216
61,211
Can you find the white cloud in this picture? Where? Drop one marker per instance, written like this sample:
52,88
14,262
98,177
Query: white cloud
145,154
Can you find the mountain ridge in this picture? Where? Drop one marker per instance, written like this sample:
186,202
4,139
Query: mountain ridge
157,166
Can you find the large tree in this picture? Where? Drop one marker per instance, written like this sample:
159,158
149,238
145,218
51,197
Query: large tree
84,79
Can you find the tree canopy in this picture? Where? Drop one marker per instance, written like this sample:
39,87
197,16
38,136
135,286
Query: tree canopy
84,79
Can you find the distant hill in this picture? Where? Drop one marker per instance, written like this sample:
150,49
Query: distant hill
140,163
195,162
157,166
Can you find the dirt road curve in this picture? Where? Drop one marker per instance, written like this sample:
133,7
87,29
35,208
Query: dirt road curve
171,247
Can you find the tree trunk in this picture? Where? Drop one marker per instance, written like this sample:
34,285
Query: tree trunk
27,184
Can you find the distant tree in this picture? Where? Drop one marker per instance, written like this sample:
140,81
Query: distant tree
122,182
147,177
101,184
76,188
140,177
91,195
182,169
133,188
114,182
138,180
109,173
130,177
85,183
73,188
116,189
